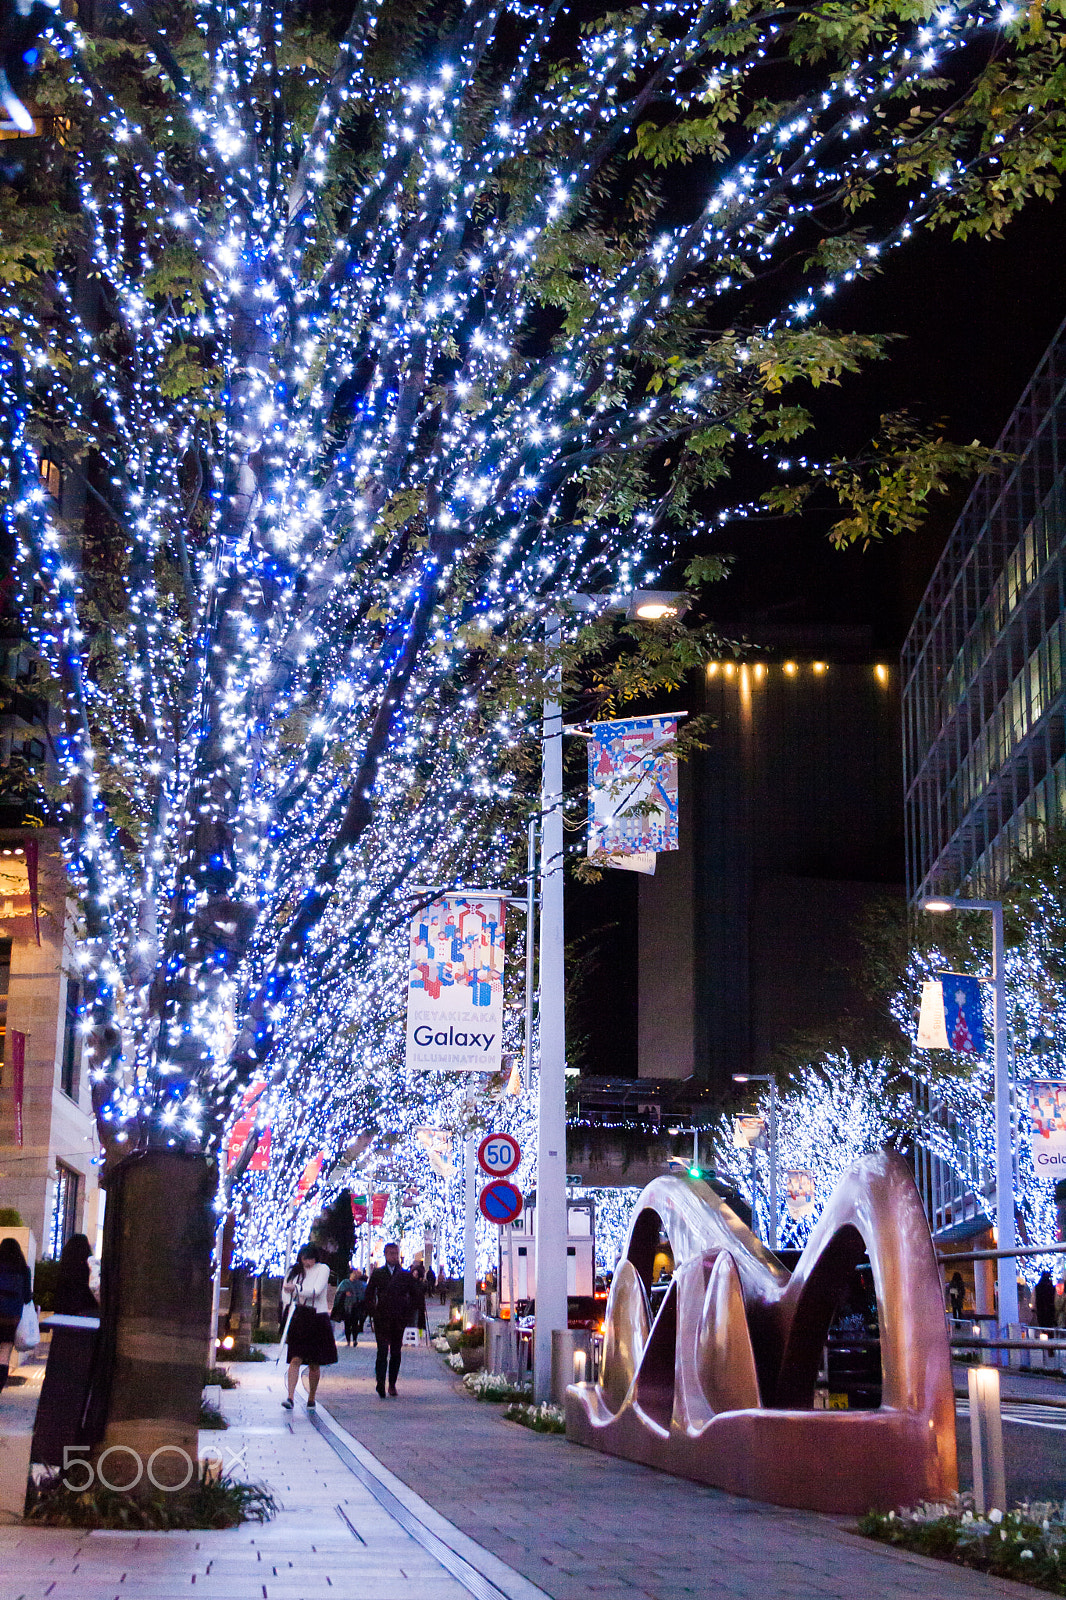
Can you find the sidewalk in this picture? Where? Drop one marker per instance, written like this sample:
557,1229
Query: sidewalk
584,1526
333,1540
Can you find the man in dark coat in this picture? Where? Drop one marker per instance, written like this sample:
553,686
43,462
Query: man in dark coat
1044,1302
390,1297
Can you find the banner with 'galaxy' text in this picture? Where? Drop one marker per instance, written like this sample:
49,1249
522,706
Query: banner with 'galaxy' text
455,985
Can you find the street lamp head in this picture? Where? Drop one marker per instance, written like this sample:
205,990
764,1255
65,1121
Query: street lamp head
741,1077
938,903
653,605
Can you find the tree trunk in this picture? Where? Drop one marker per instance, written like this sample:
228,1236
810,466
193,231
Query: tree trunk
155,1317
242,1285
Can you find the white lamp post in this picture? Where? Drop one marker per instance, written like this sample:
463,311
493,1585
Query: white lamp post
551,1120
1007,1236
649,605
766,1077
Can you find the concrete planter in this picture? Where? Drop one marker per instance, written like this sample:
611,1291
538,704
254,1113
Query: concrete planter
473,1360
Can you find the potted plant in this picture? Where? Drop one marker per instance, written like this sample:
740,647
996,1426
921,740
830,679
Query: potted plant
472,1349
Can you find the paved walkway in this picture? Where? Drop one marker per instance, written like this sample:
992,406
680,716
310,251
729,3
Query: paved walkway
433,1496
334,1540
584,1526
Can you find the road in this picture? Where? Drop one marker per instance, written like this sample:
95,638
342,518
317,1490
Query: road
1034,1449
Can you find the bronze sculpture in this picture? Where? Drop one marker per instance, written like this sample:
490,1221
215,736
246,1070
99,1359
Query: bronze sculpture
720,1387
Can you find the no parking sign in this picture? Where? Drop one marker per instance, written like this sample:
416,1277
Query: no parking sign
500,1202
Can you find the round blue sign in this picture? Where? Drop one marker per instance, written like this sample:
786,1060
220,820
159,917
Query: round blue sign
500,1202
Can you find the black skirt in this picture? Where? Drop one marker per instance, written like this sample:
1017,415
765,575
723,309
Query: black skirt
310,1338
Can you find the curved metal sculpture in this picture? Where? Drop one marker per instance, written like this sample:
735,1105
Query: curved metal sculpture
721,1387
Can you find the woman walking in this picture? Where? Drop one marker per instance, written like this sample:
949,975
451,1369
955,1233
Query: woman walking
309,1340
15,1292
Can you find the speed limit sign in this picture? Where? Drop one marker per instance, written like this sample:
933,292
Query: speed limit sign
498,1154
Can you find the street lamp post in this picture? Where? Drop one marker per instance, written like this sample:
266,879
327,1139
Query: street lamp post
1007,1234
766,1077
551,1117
648,605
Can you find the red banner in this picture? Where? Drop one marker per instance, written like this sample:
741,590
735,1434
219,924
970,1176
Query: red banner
308,1178
379,1202
242,1128
18,1077
32,855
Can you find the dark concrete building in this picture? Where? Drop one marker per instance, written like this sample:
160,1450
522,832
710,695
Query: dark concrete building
791,825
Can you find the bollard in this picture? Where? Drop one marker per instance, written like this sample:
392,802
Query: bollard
580,1361
565,1341
986,1440
1017,1358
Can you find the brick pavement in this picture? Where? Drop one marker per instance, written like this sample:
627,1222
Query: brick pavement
311,1551
581,1525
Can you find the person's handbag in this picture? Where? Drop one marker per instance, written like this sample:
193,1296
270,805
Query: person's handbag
28,1332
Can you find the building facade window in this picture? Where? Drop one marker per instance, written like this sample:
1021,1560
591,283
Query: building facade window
69,1068
984,707
65,1209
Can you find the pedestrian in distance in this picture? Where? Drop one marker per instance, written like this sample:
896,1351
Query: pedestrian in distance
309,1340
390,1299
1044,1302
15,1292
957,1295
356,1314
341,1304
418,1273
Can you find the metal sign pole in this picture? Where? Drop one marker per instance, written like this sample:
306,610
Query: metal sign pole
512,1346
551,1124
531,894
469,1218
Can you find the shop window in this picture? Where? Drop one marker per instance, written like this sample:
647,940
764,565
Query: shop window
69,1073
65,1209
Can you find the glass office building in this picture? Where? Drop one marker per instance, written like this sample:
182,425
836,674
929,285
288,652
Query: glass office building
984,749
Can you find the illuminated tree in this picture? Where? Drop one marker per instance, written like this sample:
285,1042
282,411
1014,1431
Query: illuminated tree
962,1135
357,346
833,1112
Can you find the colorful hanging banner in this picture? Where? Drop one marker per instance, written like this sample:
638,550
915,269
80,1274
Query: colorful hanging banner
455,985
308,1178
932,1028
749,1133
632,791
437,1143
963,1014
18,1077
32,863
378,1202
1047,1121
799,1194
243,1127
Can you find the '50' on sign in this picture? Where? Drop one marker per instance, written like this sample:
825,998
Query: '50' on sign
498,1154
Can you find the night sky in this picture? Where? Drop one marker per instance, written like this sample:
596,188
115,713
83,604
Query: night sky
976,317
